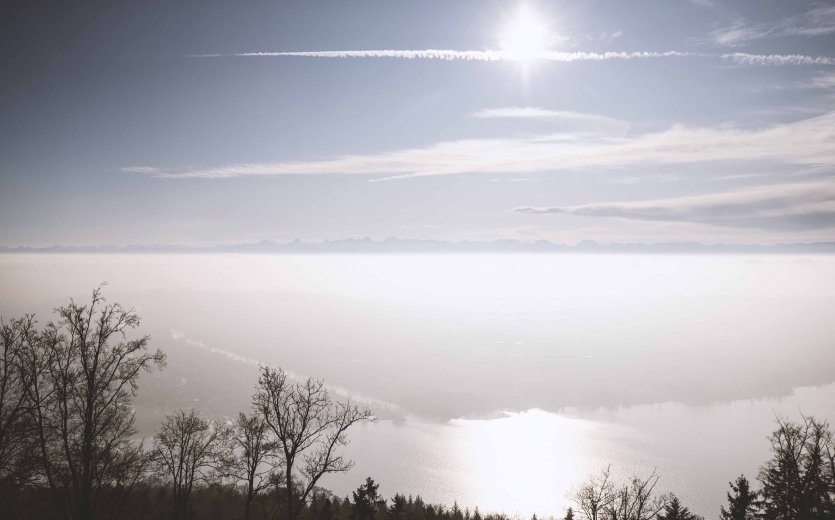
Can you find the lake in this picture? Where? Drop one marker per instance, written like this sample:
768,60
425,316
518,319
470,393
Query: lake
501,380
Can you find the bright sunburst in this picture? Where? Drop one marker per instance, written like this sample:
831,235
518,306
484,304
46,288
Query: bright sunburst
525,36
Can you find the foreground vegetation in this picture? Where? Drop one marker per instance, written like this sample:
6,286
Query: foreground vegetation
68,446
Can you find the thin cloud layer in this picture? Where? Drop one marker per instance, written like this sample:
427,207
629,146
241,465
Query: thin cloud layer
576,120
807,143
818,21
539,113
795,206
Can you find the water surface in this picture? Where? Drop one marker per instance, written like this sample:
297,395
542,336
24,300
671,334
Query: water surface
504,379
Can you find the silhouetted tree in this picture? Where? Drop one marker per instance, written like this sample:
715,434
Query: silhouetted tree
17,466
674,510
186,448
251,456
600,499
81,378
308,427
595,495
797,481
569,514
323,506
366,501
742,501
397,509
636,500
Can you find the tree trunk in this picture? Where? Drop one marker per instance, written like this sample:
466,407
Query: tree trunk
290,514
249,495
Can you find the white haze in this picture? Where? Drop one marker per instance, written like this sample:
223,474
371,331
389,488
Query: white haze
504,379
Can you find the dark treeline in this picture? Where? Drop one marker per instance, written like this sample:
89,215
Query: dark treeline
69,447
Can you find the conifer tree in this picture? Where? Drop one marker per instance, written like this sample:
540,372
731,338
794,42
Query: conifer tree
742,504
797,481
674,510
397,510
366,500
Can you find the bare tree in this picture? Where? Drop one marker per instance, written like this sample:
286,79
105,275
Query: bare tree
81,378
16,464
308,427
600,499
187,448
595,495
251,457
637,500
829,457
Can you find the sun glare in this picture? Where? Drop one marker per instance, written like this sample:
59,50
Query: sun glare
525,36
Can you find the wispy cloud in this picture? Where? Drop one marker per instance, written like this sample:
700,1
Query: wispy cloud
704,3
538,113
741,176
807,143
824,81
555,56
149,170
820,81
607,37
817,21
809,205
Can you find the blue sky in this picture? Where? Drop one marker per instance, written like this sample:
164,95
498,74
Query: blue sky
187,122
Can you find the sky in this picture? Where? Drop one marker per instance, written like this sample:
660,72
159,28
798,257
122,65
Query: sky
205,122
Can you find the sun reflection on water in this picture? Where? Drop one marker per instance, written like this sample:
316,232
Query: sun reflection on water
520,463
522,455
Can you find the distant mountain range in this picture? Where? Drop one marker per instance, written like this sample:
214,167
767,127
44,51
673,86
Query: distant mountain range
397,245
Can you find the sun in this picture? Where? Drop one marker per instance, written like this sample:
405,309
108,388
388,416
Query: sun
525,37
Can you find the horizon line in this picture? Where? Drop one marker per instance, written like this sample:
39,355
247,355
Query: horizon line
416,246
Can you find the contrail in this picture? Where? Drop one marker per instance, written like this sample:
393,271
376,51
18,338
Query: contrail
556,56
778,59
452,55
